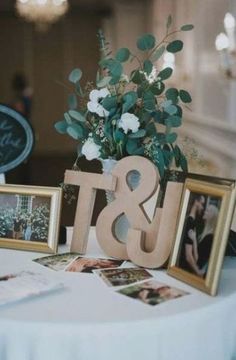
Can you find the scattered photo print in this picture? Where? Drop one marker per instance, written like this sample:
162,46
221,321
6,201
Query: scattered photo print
152,292
123,276
57,262
87,265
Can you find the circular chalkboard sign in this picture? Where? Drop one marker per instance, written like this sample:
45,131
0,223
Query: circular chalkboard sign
16,138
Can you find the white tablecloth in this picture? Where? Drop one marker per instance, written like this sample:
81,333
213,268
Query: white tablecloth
88,321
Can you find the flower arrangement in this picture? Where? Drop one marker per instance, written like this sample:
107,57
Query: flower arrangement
133,114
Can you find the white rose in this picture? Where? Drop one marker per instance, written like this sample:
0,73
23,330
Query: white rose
94,106
129,122
91,150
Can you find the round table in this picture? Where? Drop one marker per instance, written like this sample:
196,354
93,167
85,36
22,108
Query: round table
89,321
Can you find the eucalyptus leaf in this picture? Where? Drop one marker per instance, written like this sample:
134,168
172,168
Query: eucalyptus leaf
175,46
75,131
179,111
177,155
168,156
185,96
173,121
109,102
147,67
183,163
138,134
114,80
171,138
161,138
104,82
165,73
159,117
75,76
131,146
149,101
187,27
158,53
137,77
119,136
169,22
146,42
76,115
159,160
171,109
172,94
68,118
166,103
115,68
157,88
130,99
61,126
151,129
72,101
122,55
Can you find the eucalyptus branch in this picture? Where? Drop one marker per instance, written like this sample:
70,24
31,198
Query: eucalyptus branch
138,60
162,42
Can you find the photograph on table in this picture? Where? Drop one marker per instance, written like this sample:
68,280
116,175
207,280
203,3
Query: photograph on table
29,217
123,276
152,292
202,233
57,262
88,264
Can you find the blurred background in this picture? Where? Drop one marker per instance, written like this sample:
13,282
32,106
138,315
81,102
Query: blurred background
43,56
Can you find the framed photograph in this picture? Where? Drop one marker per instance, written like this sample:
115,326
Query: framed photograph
29,217
202,232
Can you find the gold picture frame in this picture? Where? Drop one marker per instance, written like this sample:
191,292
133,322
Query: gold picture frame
30,217
190,262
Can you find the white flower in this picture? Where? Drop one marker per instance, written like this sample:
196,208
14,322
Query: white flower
94,106
129,122
91,150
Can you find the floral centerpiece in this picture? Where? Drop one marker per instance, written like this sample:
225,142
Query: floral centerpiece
129,114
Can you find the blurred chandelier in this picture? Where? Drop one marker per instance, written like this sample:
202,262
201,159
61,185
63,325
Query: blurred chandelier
225,45
41,12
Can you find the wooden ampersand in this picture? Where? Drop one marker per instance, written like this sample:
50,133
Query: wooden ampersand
127,202
89,183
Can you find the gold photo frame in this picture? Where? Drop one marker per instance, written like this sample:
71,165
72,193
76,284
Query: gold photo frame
202,232
30,217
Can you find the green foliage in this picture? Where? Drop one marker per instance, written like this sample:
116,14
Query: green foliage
75,76
146,42
187,27
129,99
165,73
76,115
169,22
122,55
175,46
185,96
143,97
158,53
61,126
75,131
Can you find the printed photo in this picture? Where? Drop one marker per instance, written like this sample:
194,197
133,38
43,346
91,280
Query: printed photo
87,265
57,262
124,276
24,217
198,233
152,292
